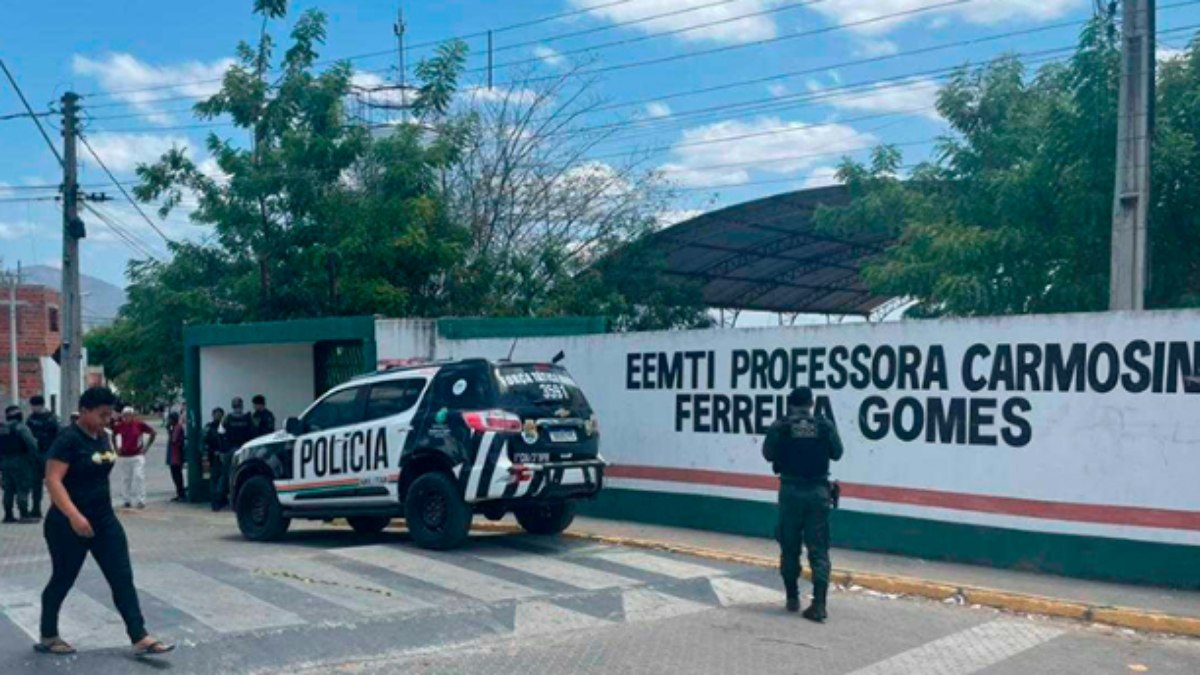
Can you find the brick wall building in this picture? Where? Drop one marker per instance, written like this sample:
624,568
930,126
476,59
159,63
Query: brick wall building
39,324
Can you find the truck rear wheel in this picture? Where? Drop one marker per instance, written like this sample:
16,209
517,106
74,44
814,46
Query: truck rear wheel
259,515
436,514
548,518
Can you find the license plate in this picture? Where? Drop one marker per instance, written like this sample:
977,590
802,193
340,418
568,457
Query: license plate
531,457
563,436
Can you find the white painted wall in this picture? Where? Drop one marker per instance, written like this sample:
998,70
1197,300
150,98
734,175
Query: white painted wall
399,339
1087,449
281,372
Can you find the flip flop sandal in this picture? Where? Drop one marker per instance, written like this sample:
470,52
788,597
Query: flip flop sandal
154,649
57,646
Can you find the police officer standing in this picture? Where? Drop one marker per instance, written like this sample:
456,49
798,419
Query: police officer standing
264,419
800,447
45,427
17,448
239,429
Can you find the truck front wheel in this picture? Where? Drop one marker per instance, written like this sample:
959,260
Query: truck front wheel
259,515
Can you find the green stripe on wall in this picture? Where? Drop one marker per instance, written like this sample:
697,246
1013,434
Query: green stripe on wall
1088,557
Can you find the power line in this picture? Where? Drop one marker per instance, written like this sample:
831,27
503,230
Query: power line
120,187
131,240
29,109
754,43
12,200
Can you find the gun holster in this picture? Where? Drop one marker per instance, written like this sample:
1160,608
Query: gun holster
835,493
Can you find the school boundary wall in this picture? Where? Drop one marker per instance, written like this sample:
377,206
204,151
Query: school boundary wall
1062,443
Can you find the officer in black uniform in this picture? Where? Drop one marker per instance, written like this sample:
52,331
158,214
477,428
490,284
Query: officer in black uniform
800,447
45,426
17,448
264,419
214,447
239,430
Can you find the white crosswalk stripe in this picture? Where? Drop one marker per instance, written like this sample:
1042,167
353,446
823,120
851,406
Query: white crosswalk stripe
967,651
437,573
332,584
559,570
642,604
732,592
84,621
217,605
542,618
656,564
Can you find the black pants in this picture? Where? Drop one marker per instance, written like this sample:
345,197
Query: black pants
111,552
177,478
39,476
219,488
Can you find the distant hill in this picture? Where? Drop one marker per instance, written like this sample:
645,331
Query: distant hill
101,300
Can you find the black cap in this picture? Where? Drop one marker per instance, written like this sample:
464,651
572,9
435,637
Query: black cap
37,399
12,412
258,400
800,397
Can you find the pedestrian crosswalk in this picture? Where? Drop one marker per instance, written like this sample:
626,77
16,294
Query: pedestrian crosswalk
492,590
295,589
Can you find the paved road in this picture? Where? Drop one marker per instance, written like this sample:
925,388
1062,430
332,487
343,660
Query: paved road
326,599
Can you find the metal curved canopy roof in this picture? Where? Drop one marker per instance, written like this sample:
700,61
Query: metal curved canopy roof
765,255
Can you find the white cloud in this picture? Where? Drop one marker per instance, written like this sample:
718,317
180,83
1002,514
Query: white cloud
776,89
781,148
1166,52
822,176
672,217
873,48
657,109
123,152
731,32
916,95
10,231
983,12
548,56
119,72
481,94
939,23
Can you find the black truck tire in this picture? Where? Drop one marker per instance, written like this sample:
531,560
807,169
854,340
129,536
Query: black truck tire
546,518
259,515
435,512
368,524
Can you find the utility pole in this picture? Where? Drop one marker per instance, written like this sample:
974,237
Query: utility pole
398,28
1135,128
73,231
13,371
489,63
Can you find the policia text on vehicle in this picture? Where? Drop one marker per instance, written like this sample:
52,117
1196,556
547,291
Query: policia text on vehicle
800,447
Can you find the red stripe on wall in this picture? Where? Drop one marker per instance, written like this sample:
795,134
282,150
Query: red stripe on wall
1030,508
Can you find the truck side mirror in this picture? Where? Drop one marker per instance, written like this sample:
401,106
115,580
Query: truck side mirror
294,426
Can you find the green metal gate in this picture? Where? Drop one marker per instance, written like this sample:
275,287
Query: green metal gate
336,361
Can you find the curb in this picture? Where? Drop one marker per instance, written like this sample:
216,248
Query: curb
1018,603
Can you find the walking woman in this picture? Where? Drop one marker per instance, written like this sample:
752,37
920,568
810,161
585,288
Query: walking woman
175,442
81,519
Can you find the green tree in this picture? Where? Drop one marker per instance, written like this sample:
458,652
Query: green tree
1014,213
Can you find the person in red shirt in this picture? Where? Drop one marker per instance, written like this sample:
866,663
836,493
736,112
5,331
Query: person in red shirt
129,432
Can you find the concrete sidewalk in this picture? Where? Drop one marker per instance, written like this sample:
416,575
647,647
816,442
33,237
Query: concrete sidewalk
1155,609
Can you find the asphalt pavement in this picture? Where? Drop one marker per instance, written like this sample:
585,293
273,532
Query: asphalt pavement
328,600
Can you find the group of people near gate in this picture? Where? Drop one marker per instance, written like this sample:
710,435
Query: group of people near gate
225,433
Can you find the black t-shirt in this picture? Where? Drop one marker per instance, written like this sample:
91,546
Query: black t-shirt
89,461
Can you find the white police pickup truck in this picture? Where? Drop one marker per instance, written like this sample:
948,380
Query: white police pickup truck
432,443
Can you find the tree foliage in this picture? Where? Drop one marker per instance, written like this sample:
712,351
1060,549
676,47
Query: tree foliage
1014,213
464,206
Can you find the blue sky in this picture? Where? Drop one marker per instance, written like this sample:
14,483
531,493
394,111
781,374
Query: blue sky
789,140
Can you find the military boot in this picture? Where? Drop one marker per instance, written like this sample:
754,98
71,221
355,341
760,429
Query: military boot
816,611
8,516
793,596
